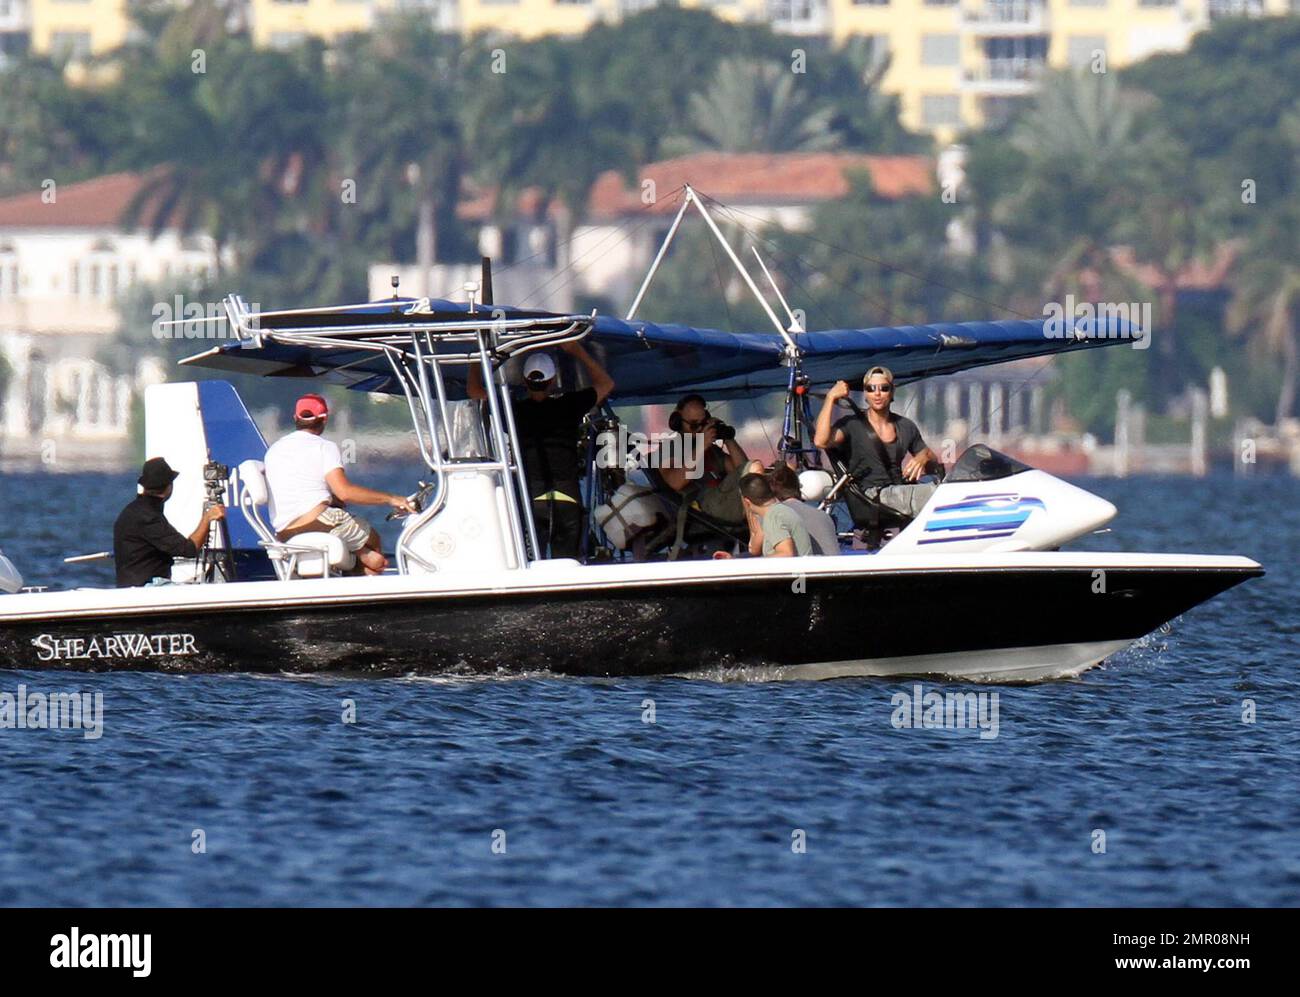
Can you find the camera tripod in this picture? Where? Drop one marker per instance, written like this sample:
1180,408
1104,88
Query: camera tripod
215,556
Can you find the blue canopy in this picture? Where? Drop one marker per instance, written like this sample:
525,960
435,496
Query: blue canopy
654,363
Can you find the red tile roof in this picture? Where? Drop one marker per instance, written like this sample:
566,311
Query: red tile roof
762,178
97,203
735,178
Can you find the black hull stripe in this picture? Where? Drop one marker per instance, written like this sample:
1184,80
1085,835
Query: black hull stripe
637,629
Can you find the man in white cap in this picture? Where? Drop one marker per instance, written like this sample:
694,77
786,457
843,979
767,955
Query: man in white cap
308,488
550,427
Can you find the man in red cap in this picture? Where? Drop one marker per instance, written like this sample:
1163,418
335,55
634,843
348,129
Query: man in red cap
309,488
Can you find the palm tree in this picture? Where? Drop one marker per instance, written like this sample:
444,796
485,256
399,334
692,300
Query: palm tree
1083,145
757,106
536,128
231,151
1265,304
403,139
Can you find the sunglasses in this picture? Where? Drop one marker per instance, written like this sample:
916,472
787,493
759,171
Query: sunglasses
697,423
877,388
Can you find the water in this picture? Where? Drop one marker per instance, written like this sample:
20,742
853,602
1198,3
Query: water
700,806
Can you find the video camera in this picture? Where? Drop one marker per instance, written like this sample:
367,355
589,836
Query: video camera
215,476
724,431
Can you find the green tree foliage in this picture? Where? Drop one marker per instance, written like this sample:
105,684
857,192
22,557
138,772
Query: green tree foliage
306,165
51,130
754,106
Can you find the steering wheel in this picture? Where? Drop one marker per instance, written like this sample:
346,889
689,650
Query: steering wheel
418,500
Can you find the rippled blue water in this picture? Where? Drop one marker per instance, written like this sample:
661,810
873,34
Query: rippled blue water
599,807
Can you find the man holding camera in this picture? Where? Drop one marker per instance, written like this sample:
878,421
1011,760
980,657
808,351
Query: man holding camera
549,425
714,486
144,543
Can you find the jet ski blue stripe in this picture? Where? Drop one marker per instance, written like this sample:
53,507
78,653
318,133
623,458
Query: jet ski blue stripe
994,523
977,536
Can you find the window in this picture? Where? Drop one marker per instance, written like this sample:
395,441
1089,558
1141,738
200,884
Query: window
1082,49
792,11
1087,3
940,110
1235,8
870,3
940,50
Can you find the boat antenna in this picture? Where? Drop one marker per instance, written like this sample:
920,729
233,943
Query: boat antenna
486,281
394,280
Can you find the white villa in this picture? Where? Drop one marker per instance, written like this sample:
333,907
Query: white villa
65,264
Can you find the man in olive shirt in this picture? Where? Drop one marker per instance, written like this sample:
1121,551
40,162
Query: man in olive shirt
144,543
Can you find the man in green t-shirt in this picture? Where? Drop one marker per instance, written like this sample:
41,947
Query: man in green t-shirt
774,528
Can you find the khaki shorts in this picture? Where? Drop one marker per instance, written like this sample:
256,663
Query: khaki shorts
352,530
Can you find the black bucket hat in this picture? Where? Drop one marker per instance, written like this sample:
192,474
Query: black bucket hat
156,475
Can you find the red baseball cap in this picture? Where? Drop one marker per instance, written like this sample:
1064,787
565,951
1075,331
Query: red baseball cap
311,407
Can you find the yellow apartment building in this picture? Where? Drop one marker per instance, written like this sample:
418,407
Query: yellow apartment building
953,63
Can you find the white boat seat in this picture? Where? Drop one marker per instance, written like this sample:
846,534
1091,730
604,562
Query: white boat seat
313,555
307,555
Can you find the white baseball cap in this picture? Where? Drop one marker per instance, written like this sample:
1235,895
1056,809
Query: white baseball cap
539,368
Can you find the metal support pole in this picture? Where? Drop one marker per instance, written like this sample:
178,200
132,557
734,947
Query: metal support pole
749,281
654,267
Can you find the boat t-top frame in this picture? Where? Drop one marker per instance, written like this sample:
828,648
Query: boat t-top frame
418,346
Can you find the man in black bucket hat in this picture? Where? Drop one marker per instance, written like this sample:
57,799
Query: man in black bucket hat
144,543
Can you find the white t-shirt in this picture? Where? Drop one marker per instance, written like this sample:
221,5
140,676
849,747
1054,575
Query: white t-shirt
296,466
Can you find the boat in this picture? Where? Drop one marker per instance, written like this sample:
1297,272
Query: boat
470,592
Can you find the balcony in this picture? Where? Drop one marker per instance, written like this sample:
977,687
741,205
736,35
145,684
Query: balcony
1006,18
1004,77
799,17
1219,9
